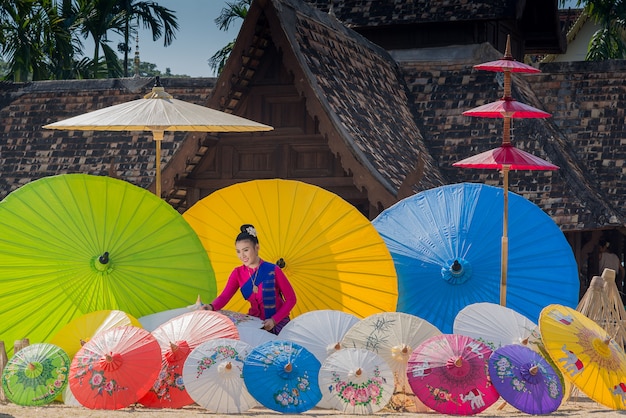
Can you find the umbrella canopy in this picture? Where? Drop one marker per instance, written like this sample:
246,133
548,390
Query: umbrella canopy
320,332
177,338
507,107
36,374
449,373
506,155
255,336
213,376
158,112
153,321
75,243
393,336
242,320
334,258
283,376
445,243
525,380
493,324
358,381
507,63
115,368
585,354
80,330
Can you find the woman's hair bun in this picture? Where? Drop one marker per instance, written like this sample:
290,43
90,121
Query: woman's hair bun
247,232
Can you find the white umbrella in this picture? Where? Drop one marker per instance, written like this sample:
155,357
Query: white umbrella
359,381
255,336
213,376
319,331
158,112
493,324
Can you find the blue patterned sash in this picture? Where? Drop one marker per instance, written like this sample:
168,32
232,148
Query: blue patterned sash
265,276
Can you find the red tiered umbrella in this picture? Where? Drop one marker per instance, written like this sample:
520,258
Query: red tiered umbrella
506,157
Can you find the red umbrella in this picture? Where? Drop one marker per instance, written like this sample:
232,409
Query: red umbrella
115,368
506,155
507,63
506,107
177,338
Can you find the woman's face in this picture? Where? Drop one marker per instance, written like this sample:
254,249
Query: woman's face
248,252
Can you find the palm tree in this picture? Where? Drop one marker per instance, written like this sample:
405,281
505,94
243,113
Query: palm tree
229,14
608,42
160,20
33,36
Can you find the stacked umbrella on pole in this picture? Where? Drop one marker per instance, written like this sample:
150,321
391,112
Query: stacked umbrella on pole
506,157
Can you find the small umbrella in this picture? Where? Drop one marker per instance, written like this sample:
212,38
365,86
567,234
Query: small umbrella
525,380
393,336
493,324
443,241
506,107
80,330
320,331
283,376
115,368
358,381
177,338
75,243
507,63
585,354
332,255
36,374
213,376
449,373
158,112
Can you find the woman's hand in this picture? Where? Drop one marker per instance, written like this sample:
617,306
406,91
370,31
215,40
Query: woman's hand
207,307
269,324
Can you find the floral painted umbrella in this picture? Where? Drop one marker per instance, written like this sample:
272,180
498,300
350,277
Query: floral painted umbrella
450,374
357,381
36,374
115,368
283,376
213,376
75,243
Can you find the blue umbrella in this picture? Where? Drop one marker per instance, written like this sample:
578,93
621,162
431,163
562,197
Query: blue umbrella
283,376
446,245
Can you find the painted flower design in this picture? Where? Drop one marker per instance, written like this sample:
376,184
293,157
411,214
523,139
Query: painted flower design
287,396
358,394
97,379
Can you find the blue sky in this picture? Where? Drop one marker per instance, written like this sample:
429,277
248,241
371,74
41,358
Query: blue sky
198,38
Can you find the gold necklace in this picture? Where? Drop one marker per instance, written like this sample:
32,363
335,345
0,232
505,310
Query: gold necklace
255,288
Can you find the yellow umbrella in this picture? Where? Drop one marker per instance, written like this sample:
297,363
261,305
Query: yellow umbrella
158,112
80,330
334,257
585,354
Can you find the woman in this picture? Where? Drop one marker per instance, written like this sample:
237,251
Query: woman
263,284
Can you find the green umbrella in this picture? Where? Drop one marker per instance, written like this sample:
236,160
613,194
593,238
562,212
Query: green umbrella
36,374
75,243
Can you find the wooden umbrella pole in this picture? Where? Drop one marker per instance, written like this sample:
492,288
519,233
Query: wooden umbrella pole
158,137
505,236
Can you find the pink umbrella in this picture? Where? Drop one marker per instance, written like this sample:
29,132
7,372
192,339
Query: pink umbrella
450,374
506,155
177,338
507,63
507,107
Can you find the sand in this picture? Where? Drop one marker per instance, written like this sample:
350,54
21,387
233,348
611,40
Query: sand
575,407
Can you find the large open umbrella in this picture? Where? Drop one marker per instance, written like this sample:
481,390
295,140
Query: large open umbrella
76,243
445,242
334,257
158,112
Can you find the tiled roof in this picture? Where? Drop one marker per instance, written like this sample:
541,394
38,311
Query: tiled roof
362,90
362,13
29,152
574,195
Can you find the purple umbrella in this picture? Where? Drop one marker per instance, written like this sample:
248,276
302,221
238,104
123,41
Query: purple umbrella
525,379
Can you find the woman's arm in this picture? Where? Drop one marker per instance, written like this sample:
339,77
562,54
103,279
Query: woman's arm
232,285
